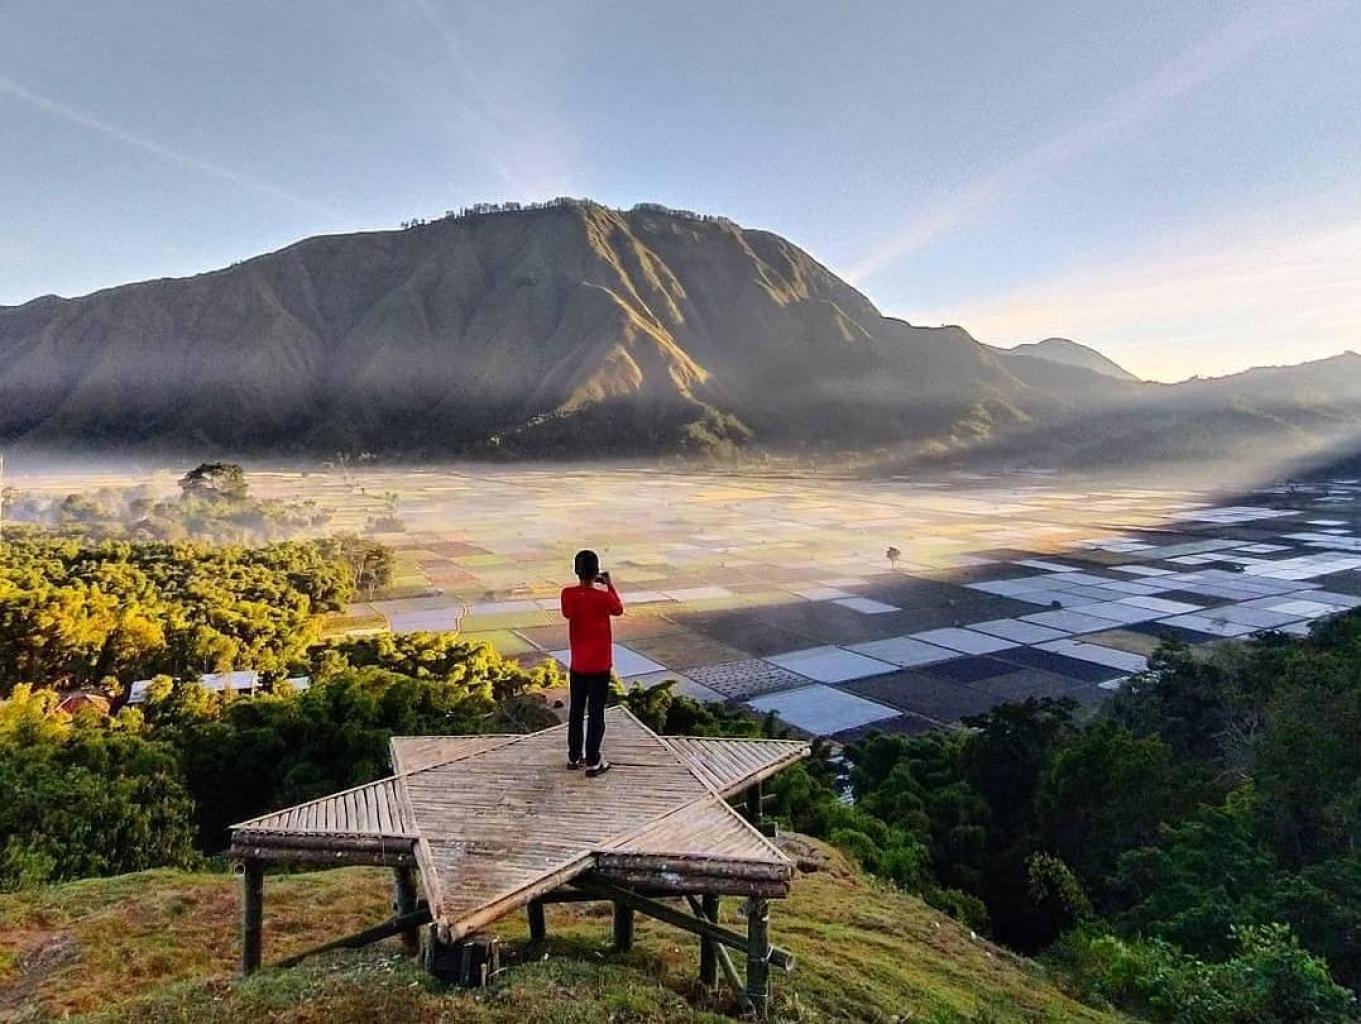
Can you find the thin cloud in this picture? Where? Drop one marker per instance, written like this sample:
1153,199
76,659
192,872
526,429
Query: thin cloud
248,182
516,151
1208,59
1230,296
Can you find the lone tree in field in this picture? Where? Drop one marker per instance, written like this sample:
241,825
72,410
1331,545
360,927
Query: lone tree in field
893,555
370,563
216,481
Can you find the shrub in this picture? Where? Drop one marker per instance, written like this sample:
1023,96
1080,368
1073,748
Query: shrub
1270,980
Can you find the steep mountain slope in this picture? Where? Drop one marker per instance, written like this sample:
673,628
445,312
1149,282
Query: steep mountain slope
1070,353
570,328
160,947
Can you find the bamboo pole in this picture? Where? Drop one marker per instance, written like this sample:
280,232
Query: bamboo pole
404,904
717,867
252,914
538,925
708,948
758,956
395,926
754,799
696,925
244,840
623,927
690,884
330,858
725,961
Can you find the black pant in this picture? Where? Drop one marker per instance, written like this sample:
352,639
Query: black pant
587,692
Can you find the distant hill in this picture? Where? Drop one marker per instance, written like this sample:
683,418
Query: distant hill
1070,353
160,947
573,329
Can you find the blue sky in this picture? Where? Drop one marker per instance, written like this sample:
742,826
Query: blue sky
1178,184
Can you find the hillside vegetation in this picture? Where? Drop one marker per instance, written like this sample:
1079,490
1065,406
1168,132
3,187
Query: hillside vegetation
160,947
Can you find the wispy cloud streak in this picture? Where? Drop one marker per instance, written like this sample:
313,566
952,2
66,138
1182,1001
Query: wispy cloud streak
8,87
1208,59
505,138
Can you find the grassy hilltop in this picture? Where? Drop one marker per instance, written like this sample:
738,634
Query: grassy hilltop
160,946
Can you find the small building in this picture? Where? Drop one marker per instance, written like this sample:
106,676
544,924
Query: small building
242,682
73,703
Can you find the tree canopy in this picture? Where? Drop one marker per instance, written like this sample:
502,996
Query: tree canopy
1204,827
79,613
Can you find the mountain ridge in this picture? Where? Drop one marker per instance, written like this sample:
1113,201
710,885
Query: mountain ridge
566,328
1064,350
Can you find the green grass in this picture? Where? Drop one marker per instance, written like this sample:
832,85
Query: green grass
161,946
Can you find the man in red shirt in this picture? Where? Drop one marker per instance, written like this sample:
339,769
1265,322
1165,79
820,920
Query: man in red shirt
587,609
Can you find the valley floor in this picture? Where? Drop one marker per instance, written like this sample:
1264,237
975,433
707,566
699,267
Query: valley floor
842,605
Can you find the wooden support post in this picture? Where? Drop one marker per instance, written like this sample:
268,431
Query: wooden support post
724,960
755,811
758,956
623,927
708,948
754,798
538,927
404,905
252,914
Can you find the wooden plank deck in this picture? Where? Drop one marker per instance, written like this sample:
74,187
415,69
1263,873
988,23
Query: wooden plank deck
711,829
549,822
412,753
731,765
373,810
497,821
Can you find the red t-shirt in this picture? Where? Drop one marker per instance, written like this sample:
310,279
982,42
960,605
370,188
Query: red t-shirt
587,611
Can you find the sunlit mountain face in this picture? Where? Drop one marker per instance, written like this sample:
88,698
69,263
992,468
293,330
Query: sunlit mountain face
571,329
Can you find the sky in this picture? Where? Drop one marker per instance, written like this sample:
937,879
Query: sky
1177,184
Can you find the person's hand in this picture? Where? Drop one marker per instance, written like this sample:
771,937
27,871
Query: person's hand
605,578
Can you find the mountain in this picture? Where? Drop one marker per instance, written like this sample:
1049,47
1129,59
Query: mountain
570,328
160,946
1070,353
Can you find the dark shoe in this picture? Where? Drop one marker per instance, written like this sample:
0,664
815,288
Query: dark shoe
573,765
598,769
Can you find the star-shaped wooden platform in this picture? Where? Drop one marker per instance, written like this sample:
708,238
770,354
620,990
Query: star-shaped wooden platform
494,822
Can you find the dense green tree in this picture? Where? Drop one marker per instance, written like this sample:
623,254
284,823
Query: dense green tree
1005,756
85,796
217,481
1105,792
